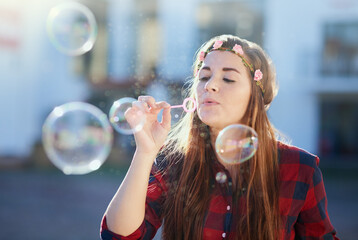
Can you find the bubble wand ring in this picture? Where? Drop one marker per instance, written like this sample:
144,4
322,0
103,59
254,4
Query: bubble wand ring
186,100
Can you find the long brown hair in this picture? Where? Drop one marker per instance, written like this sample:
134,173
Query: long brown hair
190,174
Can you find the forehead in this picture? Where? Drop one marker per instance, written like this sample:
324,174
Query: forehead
222,59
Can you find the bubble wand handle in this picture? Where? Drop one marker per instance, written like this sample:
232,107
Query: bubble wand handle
176,106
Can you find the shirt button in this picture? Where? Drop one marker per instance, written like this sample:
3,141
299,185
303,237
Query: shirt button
228,207
223,235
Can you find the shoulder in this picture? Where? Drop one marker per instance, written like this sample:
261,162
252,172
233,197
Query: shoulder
289,154
298,174
296,165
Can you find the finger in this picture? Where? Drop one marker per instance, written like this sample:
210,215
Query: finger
141,106
148,99
134,116
129,113
166,118
159,106
162,104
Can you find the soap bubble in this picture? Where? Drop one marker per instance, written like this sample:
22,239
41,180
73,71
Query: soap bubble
72,28
221,177
119,122
236,143
77,137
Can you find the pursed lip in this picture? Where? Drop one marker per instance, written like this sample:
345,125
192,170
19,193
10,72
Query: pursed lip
209,102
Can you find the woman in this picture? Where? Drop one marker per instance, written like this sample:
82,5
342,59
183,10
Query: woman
277,194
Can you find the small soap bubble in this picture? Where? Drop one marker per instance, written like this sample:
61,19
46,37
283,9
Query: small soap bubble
221,177
71,28
236,143
77,137
118,120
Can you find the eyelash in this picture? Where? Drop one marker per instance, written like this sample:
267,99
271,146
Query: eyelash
204,79
228,80
225,79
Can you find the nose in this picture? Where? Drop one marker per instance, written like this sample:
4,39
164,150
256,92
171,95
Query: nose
211,85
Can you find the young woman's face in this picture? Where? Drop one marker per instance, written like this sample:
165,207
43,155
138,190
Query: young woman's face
223,91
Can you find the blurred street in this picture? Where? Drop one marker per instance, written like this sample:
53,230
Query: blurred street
44,204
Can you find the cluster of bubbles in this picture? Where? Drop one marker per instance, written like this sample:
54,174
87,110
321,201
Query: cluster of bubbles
77,136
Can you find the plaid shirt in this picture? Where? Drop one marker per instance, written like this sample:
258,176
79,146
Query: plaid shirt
302,202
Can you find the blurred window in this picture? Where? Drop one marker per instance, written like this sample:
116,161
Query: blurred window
241,18
94,64
340,49
148,41
339,129
136,40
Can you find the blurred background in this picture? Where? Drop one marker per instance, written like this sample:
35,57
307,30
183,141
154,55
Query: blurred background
147,47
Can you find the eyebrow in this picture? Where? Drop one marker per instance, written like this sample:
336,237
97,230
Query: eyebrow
226,69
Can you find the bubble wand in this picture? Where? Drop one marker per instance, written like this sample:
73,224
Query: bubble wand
186,100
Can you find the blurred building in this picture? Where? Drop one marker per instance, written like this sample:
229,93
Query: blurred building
34,77
314,46
148,46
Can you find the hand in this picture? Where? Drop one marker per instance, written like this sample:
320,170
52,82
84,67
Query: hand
151,138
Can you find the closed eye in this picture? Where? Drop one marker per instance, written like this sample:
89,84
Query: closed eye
228,80
204,78
225,79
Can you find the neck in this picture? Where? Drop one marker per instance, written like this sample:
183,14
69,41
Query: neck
213,135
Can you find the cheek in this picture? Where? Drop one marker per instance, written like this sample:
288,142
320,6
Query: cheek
241,100
246,102
199,89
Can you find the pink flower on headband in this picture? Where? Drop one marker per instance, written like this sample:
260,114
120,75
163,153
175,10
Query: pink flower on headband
238,49
258,75
217,44
201,56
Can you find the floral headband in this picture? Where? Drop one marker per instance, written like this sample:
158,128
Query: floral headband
237,49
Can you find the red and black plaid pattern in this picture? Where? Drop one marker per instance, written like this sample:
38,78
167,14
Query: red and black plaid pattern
303,202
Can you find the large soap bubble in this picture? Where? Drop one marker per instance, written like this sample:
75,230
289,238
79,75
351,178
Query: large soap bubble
72,28
236,143
77,137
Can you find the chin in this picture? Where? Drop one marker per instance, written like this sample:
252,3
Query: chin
216,120
218,125
213,123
